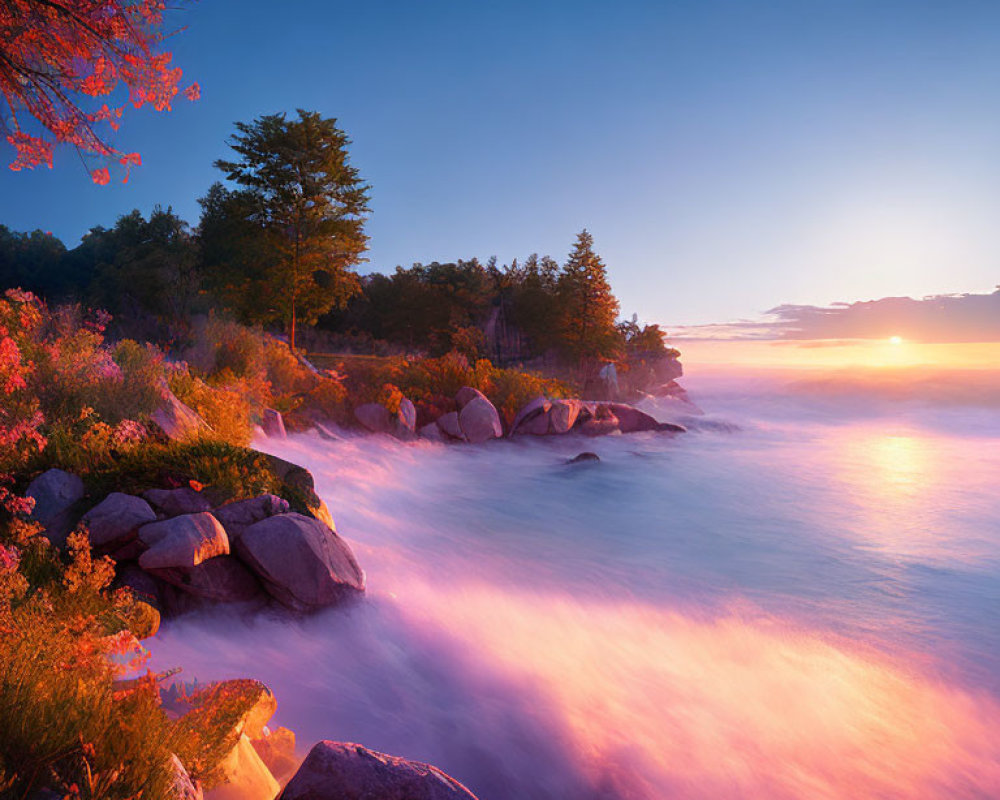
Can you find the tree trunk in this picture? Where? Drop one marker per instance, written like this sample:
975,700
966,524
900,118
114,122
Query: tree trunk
291,332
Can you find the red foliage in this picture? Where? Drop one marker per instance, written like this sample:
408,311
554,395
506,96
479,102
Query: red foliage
56,54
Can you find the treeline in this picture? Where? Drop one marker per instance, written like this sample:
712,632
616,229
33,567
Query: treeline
277,247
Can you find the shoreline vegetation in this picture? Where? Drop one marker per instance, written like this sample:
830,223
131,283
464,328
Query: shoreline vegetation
137,369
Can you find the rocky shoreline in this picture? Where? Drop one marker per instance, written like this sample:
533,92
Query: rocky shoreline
179,548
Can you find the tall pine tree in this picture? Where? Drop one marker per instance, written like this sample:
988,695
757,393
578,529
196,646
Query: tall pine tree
312,206
588,308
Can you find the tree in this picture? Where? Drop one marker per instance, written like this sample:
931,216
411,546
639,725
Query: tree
310,203
55,55
587,306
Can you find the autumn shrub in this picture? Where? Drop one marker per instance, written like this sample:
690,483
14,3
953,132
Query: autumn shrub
227,411
432,383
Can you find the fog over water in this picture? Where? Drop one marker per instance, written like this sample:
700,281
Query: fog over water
800,598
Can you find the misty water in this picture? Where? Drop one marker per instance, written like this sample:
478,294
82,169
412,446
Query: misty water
799,598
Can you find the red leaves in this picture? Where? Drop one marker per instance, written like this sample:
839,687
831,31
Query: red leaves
57,54
100,176
193,92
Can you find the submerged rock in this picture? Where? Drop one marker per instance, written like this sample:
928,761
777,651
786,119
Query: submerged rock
182,542
343,771
584,458
302,563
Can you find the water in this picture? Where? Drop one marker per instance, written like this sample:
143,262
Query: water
807,606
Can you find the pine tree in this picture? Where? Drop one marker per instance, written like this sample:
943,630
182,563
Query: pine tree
312,205
587,306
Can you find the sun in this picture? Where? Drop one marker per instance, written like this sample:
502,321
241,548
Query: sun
895,340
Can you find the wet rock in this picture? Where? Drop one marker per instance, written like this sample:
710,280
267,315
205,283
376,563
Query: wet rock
141,584
448,424
632,420
115,520
236,517
54,492
173,502
480,421
584,458
302,563
375,417
343,771
601,424
273,424
182,542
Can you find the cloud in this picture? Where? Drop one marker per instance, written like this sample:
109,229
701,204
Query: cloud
938,318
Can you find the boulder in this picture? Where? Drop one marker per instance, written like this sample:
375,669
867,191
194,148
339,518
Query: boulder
301,480
302,563
182,787
537,425
448,424
115,520
244,776
584,458
480,421
140,583
176,420
539,407
223,579
466,395
406,419
54,492
670,427
563,415
601,424
173,502
236,517
375,417
277,750
432,432
273,424
342,771
632,420
182,542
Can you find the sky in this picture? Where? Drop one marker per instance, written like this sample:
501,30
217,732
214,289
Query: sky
728,157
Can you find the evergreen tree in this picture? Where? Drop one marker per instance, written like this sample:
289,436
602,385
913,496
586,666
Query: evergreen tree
587,306
310,203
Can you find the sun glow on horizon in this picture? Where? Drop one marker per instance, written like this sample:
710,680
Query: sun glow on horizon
895,340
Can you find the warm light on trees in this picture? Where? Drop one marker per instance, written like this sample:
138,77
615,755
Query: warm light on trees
310,204
57,57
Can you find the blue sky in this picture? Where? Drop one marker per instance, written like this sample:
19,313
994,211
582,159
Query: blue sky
727,156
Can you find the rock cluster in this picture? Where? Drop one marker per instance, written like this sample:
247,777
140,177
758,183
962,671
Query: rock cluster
178,551
542,417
